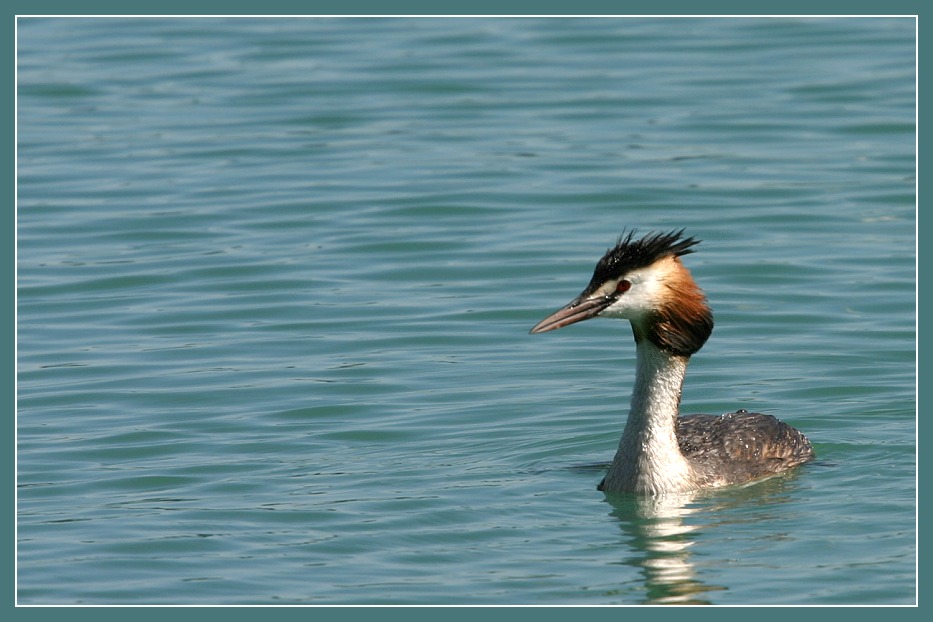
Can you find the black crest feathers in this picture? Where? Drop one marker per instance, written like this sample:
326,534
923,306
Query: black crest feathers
629,254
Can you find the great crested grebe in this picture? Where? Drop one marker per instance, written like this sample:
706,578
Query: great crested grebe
644,282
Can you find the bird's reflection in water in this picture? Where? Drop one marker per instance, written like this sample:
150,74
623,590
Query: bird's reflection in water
662,530
661,538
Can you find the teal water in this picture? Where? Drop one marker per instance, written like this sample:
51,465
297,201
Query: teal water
276,277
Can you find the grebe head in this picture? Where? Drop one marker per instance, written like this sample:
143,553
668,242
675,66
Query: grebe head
644,281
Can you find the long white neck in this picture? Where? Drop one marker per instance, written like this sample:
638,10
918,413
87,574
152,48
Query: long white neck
648,459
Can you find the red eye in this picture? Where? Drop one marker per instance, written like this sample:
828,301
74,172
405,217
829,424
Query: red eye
623,286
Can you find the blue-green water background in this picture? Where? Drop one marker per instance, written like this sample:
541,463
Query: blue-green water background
275,279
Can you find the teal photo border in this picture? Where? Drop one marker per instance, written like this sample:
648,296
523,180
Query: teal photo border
15,8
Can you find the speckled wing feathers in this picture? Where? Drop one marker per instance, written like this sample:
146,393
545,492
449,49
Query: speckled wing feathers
741,446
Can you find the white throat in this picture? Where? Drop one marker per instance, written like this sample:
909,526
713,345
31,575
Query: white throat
648,459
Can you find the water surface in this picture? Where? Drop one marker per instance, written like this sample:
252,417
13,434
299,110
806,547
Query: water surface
275,280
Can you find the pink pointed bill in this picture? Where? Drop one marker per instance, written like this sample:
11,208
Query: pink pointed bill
576,311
